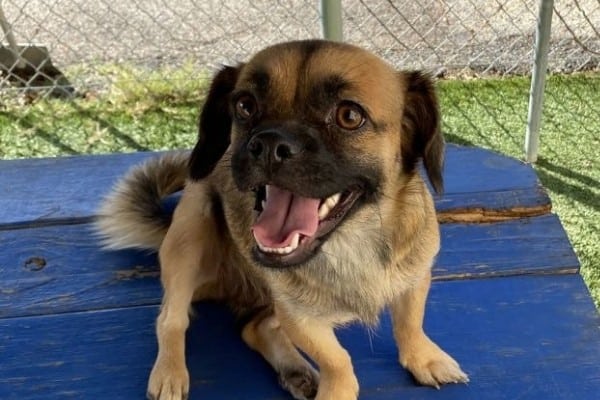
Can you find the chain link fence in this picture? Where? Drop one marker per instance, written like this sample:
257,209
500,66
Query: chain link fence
78,48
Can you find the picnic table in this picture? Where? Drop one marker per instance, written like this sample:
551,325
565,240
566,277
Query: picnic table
78,322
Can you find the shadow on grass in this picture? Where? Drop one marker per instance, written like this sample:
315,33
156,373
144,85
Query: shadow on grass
109,127
584,179
48,137
455,139
563,183
65,148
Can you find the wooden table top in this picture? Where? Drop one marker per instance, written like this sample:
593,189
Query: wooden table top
78,322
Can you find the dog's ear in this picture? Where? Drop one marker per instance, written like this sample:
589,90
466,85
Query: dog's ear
214,128
422,136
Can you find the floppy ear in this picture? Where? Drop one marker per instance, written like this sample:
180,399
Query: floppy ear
422,136
214,128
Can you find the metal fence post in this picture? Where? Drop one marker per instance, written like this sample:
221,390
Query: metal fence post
10,38
331,20
538,79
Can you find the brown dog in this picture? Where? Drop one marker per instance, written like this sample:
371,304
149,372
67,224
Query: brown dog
302,209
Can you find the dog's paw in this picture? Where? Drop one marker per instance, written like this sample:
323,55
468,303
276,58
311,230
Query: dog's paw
432,366
168,383
340,388
302,383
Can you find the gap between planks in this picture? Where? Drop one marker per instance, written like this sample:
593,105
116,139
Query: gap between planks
502,274
460,215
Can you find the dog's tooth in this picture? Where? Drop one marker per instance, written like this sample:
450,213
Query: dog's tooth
295,241
260,246
265,248
324,210
333,200
328,205
263,204
282,250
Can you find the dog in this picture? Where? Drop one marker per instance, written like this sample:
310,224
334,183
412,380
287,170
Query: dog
303,209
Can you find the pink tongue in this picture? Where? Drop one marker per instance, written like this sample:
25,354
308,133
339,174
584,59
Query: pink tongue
284,215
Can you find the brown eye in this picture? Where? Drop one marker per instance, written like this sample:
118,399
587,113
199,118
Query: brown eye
349,116
245,107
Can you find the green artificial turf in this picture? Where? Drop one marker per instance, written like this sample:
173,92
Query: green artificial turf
158,110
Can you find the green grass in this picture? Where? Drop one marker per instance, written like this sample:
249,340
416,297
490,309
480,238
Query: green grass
143,110
161,113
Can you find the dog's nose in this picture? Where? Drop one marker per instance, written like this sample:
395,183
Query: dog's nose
273,147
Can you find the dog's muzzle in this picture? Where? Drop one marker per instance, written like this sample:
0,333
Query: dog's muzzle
302,195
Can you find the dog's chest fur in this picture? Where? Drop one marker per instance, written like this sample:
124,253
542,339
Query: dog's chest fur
354,276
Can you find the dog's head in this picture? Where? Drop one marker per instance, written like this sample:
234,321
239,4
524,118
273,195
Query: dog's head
316,130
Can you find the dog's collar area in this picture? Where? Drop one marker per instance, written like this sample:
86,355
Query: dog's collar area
289,228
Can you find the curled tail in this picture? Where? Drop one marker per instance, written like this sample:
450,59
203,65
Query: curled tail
133,214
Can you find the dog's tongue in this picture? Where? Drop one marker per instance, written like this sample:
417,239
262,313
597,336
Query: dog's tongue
285,214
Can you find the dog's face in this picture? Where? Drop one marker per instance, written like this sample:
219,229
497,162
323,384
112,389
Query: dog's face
316,131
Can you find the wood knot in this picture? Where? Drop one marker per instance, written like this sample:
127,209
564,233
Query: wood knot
35,263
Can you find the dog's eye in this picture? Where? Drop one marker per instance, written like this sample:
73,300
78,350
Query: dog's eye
349,116
245,106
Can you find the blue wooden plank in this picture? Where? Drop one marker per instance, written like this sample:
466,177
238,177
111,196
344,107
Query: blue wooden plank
45,191
477,179
472,169
537,245
518,338
57,269
68,293
58,189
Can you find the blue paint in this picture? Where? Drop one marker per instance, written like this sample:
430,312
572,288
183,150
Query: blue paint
514,336
68,190
78,275
47,190
534,245
78,322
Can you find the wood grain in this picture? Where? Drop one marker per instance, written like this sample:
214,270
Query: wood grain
514,336
77,275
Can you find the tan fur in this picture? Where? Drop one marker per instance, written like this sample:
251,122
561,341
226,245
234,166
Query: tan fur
381,255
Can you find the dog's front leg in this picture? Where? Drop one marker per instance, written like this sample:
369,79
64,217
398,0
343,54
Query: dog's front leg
265,335
429,364
169,378
316,338
189,259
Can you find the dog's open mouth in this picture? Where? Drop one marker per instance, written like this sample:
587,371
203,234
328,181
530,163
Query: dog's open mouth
289,227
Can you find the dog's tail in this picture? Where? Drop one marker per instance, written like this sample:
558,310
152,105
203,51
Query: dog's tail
133,214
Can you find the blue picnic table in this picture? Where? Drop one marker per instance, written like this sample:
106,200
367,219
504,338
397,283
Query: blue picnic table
78,322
